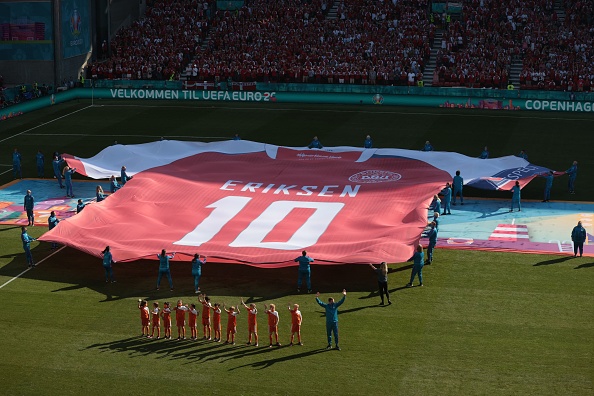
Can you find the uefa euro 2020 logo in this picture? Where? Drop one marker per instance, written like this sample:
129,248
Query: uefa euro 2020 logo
75,22
377,99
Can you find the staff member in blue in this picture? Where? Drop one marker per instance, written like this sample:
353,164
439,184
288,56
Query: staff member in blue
40,160
331,317
458,184
315,143
484,153
304,271
16,164
164,268
447,198
124,176
28,205
572,173
107,265
197,270
68,172
368,143
432,235
26,239
427,147
418,263
516,195
57,165
578,236
113,184
52,222
548,185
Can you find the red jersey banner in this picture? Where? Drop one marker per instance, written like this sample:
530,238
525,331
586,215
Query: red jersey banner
258,204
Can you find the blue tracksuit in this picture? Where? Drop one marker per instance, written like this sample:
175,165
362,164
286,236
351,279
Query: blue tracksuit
16,164
484,154
458,184
52,222
315,144
26,239
40,160
548,186
28,205
197,271
164,269
68,181
368,143
428,147
114,186
80,207
432,235
57,165
572,173
124,177
447,198
331,318
304,271
418,263
516,198
578,236
107,261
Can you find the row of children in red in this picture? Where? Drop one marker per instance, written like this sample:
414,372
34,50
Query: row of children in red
213,324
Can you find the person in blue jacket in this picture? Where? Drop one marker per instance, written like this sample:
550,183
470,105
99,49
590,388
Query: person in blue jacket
28,204
40,161
80,206
436,204
432,235
549,176
26,239
368,143
99,193
315,143
304,271
485,153
331,317
164,268
57,165
578,236
113,184
447,198
428,146
197,270
52,222
516,197
458,184
107,265
572,173
418,263
68,172
124,176
16,164
523,155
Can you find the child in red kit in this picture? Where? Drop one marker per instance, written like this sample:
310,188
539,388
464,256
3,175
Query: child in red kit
144,317
206,307
166,315
216,322
273,319
192,321
296,319
180,319
252,323
232,313
156,321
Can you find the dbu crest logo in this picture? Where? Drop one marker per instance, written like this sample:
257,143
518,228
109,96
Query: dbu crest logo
75,23
375,176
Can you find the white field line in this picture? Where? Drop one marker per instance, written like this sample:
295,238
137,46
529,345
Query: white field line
28,269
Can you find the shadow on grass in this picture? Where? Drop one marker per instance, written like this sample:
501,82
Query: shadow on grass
375,294
269,362
554,261
587,265
200,350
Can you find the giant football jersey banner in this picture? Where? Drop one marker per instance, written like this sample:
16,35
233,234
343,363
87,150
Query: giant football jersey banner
260,204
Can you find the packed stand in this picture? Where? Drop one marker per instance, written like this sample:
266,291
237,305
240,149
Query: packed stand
477,51
559,55
370,42
159,45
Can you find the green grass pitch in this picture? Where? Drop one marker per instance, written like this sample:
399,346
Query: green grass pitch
484,324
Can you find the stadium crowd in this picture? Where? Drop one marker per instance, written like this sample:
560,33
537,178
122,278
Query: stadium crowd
385,42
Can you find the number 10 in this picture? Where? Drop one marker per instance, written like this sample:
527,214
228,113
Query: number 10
225,209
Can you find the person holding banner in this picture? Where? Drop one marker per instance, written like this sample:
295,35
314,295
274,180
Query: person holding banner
304,271
164,268
315,143
516,195
458,184
572,173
